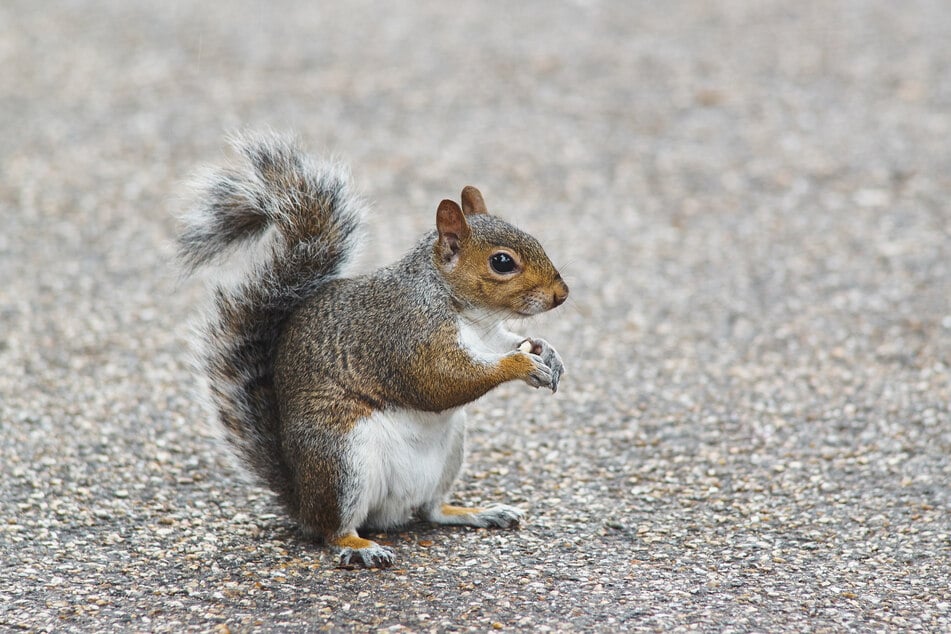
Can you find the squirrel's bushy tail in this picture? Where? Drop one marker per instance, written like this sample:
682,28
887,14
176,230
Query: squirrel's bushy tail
289,224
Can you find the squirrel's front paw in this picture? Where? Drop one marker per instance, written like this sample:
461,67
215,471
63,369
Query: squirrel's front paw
550,358
540,374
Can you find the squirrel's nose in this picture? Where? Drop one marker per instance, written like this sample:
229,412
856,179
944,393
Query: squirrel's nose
560,295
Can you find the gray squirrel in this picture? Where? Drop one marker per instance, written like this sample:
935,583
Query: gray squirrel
344,395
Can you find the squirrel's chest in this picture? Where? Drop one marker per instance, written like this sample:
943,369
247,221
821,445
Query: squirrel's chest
482,342
406,459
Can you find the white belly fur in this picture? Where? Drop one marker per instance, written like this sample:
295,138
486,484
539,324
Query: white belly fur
402,460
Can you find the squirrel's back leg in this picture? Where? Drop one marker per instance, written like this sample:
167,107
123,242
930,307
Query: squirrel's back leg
353,549
326,487
436,511
494,516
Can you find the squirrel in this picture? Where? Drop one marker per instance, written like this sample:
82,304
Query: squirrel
344,394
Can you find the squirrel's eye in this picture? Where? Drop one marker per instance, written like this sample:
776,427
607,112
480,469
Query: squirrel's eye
502,262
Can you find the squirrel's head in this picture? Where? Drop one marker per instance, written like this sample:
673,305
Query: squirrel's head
492,264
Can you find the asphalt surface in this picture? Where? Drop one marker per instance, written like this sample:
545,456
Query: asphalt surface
750,202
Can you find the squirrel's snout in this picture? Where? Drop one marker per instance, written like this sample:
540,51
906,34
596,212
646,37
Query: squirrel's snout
560,295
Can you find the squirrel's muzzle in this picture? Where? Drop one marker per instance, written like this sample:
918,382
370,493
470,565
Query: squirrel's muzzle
560,293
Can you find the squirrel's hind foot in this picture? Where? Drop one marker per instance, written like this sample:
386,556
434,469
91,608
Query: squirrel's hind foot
495,516
354,550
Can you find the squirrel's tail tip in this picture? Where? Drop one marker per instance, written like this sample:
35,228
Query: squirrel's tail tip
276,185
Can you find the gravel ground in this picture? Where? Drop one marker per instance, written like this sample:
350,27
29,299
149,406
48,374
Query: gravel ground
749,201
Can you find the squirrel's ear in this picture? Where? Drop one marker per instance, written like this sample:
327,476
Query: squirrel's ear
472,201
452,227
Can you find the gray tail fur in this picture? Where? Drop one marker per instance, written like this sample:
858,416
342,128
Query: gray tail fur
291,224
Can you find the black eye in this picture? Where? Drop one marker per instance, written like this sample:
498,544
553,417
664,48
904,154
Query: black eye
502,263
